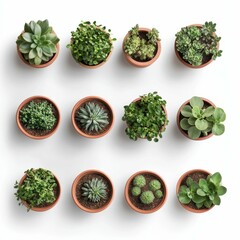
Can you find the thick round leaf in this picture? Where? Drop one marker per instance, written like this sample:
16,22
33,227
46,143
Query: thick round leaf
186,111
218,129
219,115
201,193
39,52
216,200
37,30
196,101
184,199
201,124
208,203
184,124
198,199
27,37
221,190
216,179
192,121
32,54
194,133
24,47
208,111
37,60
203,184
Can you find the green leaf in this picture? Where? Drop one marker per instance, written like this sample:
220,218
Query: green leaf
218,129
37,30
192,121
27,37
216,200
208,111
27,28
198,199
203,184
37,60
216,178
201,124
39,52
196,102
44,25
184,199
184,124
219,115
196,112
53,48
32,54
207,203
201,193
24,47
194,133
199,205
221,190
186,111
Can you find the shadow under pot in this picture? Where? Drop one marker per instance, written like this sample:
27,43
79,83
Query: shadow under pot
145,54
92,191
145,192
92,117
38,190
38,117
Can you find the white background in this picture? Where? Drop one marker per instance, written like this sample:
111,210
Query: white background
67,154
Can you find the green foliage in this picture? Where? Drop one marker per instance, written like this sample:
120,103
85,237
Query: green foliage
91,43
94,190
92,117
158,194
145,118
38,188
194,43
139,181
136,191
204,193
199,120
38,42
141,48
154,185
38,116
147,197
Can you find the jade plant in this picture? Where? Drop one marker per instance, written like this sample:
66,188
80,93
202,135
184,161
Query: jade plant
139,47
92,117
204,193
199,120
38,42
38,188
197,45
94,190
38,116
91,43
146,118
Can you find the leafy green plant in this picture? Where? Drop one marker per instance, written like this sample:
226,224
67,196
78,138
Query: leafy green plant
147,197
94,190
136,191
139,47
38,188
38,42
92,117
204,193
154,185
146,118
38,116
158,194
199,120
91,43
139,181
195,44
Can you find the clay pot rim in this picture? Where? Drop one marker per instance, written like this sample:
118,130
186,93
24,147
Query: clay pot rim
88,99
141,64
26,101
178,119
186,63
74,185
178,185
42,209
41,65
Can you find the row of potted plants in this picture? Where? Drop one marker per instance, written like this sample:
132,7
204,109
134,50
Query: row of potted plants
91,45
38,117
145,191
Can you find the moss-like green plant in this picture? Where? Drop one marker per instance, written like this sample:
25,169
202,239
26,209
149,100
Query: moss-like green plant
94,190
200,120
92,117
147,197
139,181
197,43
204,193
136,191
154,185
38,42
38,188
91,43
146,117
38,116
158,194
141,48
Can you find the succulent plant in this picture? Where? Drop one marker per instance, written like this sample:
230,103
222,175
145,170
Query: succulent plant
158,194
136,191
139,181
38,42
92,117
154,185
38,116
200,120
147,197
94,190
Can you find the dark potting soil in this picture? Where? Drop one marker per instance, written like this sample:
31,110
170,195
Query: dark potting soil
136,200
84,201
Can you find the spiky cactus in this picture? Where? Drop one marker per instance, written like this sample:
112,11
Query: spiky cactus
94,190
92,117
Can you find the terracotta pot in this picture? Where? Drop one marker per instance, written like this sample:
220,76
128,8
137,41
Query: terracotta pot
179,183
186,63
101,101
74,191
41,65
163,188
42,209
25,131
179,118
146,63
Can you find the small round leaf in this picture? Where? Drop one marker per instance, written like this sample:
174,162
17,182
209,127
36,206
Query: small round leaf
218,129
219,115
209,111
201,124
186,111
184,124
196,102
194,133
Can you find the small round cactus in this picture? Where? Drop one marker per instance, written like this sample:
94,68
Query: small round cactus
136,191
139,181
154,185
147,197
158,194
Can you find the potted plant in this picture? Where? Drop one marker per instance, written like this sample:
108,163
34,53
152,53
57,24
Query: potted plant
198,190
92,191
146,117
91,44
141,46
38,44
197,45
199,119
145,192
38,117
92,117
38,190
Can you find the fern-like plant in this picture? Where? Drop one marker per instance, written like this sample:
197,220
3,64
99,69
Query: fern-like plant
38,42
